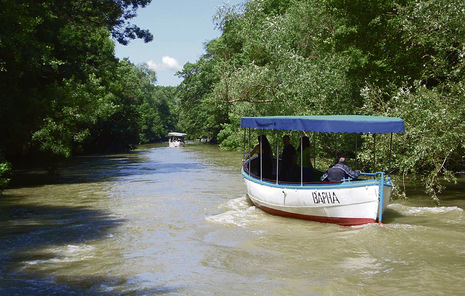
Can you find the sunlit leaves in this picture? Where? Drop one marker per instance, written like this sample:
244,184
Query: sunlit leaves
401,58
5,168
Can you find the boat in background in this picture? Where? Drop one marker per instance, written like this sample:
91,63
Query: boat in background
176,139
349,202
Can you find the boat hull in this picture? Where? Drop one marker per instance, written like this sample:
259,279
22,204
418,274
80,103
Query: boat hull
175,144
345,203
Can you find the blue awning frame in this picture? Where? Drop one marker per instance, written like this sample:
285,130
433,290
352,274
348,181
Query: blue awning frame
328,123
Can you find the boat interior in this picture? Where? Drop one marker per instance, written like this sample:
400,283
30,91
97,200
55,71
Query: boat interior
252,168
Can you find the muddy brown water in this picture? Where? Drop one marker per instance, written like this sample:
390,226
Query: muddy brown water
176,221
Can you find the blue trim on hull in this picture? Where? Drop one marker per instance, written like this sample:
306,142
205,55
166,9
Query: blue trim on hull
323,185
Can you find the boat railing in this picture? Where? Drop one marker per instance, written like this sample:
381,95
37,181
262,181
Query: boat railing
316,180
383,179
376,175
370,174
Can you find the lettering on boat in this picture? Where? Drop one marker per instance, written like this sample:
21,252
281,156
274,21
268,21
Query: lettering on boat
325,197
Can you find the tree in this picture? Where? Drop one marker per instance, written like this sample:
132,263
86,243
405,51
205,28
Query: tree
55,58
400,58
431,101
198,113
45,46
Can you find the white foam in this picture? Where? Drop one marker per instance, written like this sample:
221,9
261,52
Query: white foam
419,211
238,212
64,254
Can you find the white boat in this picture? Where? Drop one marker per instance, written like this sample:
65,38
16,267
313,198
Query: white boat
176,139
349,202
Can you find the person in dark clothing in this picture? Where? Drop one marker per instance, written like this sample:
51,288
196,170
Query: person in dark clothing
288,160
266,154
340,171
305,159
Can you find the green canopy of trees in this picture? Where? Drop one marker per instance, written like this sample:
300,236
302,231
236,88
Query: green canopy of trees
63,92
402,58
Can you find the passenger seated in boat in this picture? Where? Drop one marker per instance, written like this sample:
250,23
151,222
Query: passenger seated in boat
267,162
306,159
288,167
340,171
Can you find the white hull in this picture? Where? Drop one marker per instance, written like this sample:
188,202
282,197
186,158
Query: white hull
174,144
346,203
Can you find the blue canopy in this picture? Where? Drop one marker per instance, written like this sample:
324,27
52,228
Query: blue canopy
327,123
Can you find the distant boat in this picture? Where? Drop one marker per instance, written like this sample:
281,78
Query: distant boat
176,139
348,202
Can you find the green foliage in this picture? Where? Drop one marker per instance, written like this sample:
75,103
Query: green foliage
431,103
141,112
63,91
231,137
393,57
5,169
75,108
284,65
199,113
43,46
433,146
158,114
109,14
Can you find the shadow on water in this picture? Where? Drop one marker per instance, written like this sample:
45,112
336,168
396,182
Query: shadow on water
99,168
33,226
77,286
26,229
30,232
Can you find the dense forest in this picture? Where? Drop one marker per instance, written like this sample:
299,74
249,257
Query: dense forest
63,92
402,58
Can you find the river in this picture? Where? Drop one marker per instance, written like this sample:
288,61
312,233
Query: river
164,221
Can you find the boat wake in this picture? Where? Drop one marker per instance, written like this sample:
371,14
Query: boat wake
452,215
421,211
239,212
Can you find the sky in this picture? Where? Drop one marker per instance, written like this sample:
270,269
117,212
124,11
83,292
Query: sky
180,29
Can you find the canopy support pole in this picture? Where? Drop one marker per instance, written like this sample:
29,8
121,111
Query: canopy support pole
374,152
314,150
390,154
244,151
301,161
277,158
381,198
261,158
248,146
